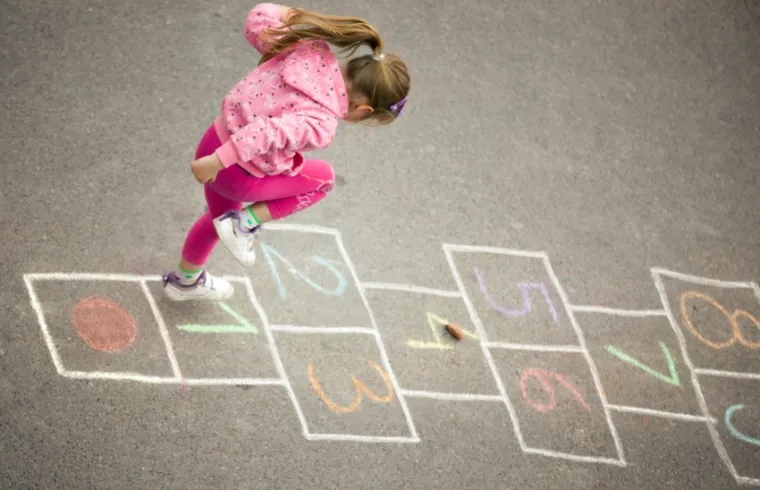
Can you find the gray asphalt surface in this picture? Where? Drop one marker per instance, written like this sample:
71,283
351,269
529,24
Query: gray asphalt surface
613,136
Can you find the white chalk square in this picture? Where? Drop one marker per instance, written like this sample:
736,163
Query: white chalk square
717,322
101,326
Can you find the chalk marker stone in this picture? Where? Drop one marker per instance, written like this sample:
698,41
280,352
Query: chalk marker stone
103,324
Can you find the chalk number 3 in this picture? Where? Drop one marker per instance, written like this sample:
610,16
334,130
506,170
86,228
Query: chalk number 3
361,390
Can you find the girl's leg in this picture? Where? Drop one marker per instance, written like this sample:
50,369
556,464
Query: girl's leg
274,198
189,280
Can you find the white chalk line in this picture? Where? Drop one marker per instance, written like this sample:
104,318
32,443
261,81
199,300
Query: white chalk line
616,311
301,228
297,329
589,360
163,330
408,288
726,374
453,396
121,376
745,480
448,252
704,281
576,457
37,307
142,378
87,276
450,247
533,347
358,438
712,430
276,356
234,382
662,414
378,339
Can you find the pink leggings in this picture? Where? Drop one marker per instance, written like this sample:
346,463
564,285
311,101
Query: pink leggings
233,186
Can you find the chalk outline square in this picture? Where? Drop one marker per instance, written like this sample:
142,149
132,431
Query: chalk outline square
227,381
657,274
452,395
31,278
321,230
449,250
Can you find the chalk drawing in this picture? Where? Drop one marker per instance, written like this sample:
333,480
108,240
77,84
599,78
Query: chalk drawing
408,288
103,324
436,323
662,414
525,288
734,431
657,274
733,320
242,325
270,254
449,251
672,379
360,388
544,378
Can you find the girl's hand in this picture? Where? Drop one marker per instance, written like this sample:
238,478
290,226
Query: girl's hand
205,169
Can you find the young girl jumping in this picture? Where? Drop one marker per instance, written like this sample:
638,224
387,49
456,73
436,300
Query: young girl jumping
289,104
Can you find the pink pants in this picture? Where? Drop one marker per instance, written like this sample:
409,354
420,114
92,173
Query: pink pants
233,186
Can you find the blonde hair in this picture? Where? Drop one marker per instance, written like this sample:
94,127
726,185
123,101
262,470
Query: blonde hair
383,78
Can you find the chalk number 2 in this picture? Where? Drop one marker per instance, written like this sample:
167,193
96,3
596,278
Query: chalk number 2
270,254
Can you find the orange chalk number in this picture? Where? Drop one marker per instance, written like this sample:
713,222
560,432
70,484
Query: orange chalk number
361,390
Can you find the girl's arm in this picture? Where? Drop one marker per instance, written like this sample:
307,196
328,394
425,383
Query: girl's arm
264,16
268,142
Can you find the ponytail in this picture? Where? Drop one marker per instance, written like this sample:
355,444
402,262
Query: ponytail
348,33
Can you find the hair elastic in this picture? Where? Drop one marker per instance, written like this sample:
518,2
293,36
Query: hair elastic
398,107
378,57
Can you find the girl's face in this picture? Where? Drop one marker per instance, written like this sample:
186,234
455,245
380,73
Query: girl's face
358,103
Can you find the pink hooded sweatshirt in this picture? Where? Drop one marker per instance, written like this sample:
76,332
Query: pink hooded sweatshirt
291,103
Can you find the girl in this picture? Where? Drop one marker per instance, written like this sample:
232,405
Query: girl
290,103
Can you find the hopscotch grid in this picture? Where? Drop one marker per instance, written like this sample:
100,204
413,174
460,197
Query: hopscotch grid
409,288
662,414
298,329
476,397
616,311
589,359
717,443
163,330
381,345
37,308
448,252
533,347
276,356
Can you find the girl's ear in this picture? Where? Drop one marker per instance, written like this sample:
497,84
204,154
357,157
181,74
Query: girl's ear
365,107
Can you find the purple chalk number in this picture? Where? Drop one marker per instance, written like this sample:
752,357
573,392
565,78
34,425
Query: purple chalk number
525,289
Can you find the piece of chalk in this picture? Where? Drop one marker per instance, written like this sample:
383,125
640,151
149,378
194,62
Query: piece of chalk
454,331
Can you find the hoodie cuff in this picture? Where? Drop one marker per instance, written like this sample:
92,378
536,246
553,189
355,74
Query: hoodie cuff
227,154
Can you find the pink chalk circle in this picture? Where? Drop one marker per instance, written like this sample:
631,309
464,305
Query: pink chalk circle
103,324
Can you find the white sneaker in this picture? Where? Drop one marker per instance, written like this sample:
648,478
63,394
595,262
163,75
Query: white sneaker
207,287
238,241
